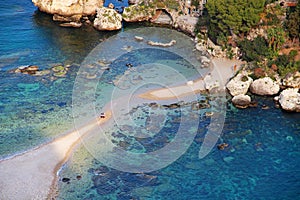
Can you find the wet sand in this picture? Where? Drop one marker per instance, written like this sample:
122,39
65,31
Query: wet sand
223,70
33,174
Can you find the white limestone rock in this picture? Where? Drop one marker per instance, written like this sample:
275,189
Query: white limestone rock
241,101
68,7
264,86
107,20
289,99
239,84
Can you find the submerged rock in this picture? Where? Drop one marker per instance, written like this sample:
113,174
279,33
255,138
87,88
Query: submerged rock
107,20
138,38
169,44
239,84
59,71
58,68
264,86
71,24
42,73
289,99
222,146
60,74
65,180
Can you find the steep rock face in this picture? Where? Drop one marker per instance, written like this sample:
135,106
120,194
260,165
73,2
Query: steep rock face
289,99
239,84
107,19
68,7
187,23
264,86
162,17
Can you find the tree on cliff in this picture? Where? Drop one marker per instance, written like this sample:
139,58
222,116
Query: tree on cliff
276,38
229,17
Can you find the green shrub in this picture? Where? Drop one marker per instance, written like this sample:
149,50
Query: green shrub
256,50
293,54
244,79
290,68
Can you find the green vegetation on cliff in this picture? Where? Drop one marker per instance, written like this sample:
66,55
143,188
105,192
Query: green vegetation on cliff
229,17
266,32
293,22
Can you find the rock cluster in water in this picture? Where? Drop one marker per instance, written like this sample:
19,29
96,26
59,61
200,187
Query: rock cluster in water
56,71
73,12
108,181
242,83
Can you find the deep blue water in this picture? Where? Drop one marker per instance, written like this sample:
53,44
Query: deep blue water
261,162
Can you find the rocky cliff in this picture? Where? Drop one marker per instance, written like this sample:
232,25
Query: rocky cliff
107,19
69,8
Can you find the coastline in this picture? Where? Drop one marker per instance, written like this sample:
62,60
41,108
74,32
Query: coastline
40,172
33,175
223,69
41,167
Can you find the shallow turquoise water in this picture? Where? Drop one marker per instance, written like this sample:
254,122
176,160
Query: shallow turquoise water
31,108
262,161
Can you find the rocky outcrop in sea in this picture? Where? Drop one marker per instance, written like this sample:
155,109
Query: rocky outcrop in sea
288,99
73,12
239,85
68,10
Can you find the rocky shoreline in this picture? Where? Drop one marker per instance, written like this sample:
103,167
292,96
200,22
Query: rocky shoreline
72,13
242,86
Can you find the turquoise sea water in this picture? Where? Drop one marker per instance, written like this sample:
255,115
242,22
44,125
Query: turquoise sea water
261,162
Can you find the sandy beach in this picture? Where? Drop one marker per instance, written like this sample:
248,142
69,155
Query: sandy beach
33,175
223,70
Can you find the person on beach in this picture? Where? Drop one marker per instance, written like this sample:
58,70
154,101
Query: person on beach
102,115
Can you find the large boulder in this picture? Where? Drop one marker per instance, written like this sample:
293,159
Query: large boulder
136,13
289,99
239,84
241,101
292,80
107,19
264,86
68,7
